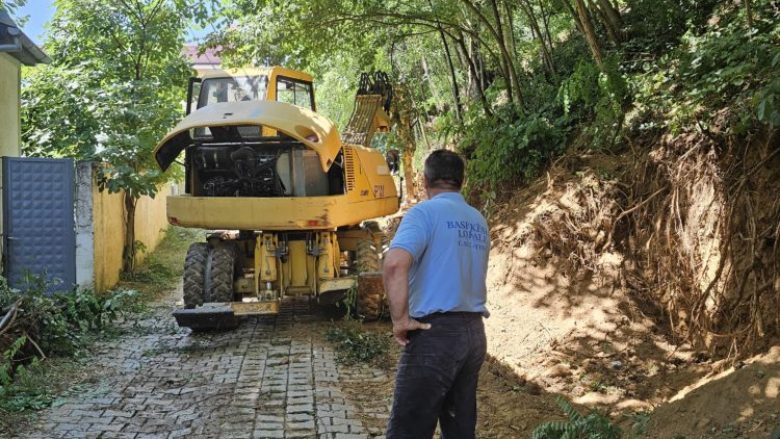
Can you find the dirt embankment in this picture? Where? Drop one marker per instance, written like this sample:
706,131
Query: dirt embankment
626,281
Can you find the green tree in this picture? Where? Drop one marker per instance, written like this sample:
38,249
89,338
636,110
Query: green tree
115,86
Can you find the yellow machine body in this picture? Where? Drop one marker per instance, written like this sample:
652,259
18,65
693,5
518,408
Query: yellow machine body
282,178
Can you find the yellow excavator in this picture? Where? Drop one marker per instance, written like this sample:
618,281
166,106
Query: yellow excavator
285,196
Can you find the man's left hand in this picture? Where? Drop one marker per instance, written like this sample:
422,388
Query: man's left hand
402,328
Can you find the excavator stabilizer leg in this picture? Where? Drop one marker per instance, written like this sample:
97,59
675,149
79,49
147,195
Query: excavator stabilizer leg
209,317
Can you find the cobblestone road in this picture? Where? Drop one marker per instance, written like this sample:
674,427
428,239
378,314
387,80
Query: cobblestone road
270,378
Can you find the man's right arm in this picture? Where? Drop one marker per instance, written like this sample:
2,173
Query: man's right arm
409,244
396,278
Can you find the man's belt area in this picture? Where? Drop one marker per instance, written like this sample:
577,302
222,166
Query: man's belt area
466,315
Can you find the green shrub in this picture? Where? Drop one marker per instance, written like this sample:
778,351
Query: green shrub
597,97
592,426
58,322
47,326
655,26
509,148
730,66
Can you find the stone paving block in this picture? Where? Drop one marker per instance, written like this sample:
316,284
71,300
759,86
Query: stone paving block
268,434
267,379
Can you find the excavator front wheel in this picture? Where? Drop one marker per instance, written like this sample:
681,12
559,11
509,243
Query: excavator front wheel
221,273
194,275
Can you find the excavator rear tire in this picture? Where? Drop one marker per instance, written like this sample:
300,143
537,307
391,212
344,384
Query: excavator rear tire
222,273
194,274
370,298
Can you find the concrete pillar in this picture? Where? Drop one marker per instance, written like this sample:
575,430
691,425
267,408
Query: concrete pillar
85,232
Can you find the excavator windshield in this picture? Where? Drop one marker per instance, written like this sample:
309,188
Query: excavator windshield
233,89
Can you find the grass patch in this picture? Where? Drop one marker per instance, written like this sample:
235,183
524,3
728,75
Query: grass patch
356,345
162,269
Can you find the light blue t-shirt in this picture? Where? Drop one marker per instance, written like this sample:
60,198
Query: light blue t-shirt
449,242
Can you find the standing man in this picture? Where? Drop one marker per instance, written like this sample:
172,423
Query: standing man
434,275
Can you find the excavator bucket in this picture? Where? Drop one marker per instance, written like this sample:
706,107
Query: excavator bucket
369,115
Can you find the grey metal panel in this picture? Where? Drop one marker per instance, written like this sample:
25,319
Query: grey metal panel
40,235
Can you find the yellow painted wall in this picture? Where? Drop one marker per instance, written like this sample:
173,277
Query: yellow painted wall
10,77
10,133
109,231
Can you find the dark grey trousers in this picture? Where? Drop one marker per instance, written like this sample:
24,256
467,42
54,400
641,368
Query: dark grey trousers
437,379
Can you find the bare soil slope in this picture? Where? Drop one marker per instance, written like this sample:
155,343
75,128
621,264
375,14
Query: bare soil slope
567,314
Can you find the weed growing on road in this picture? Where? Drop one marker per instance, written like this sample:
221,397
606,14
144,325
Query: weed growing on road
355,345
162,269
593,425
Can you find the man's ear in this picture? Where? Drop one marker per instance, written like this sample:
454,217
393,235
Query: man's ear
426,183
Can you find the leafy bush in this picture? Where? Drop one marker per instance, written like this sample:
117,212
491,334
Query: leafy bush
656,26
30,389
593,426
55,324
730,66
45,326
509,148
355,345
598,96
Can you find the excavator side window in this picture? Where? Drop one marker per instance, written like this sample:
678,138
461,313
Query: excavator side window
296,92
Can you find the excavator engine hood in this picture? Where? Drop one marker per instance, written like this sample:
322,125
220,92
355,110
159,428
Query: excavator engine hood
301,124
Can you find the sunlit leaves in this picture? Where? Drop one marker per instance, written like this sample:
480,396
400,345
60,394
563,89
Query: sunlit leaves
114,88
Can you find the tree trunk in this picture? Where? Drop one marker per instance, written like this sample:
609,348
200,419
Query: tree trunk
546,23
507,64
536,31
475,76
508,58
453,77
589,32
403,120
410,193
612,12
612,32
511,24
749,12
129,250
574,16
428,77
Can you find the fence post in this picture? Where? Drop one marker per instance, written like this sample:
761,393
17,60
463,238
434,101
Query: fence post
85,232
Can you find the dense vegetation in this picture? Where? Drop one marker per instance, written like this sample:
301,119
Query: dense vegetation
681,96
511,83
43,336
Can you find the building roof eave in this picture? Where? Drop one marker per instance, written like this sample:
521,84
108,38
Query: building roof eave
21,46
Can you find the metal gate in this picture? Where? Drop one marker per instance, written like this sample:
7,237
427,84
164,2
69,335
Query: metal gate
38,221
